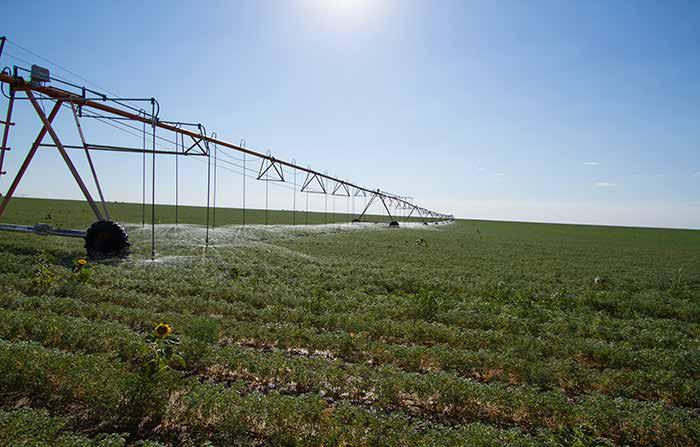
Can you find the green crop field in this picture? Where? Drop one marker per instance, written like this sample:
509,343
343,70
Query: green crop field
77,214
473,333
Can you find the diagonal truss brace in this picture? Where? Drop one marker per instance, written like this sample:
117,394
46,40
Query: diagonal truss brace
343,188
89,159
369,203
268,166
28,158
309,180
203,150
386,207
47,128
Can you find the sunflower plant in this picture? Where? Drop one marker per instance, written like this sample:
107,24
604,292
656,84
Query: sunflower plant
82,270
164,353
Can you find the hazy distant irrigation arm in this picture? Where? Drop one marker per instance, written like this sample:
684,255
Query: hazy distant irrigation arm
19,84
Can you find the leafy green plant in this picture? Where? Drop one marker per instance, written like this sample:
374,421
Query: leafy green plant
203,329
679,287
426,305
44,275
581,436
314,303
163,351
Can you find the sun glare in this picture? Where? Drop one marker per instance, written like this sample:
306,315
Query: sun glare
348,7
347,12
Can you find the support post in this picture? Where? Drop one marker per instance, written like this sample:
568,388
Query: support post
177,178
6,130
267,196
153,182
143,172
206,237
352,216
28,159
294,191
213,216
243,145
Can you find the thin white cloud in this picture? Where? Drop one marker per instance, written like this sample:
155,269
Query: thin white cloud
591,163
482,169
697,173
604,184
500,174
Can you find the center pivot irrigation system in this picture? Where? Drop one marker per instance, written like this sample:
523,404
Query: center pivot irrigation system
106,238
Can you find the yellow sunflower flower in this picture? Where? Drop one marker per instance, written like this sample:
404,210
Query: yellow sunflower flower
163,330
82,262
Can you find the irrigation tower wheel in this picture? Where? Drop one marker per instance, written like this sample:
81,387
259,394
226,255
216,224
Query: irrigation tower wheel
106,239
394,224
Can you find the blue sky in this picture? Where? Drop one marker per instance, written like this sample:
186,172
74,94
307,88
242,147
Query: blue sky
556,111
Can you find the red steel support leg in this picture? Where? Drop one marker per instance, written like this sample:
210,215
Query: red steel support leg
89,159
64,154
6,131
29,157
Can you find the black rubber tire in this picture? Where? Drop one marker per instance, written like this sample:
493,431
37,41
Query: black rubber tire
393,223
106,239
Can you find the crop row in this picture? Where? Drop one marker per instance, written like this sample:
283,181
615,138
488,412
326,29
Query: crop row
627,353
445,396
32,427
369,329
354,286
184,410
259,288
511,366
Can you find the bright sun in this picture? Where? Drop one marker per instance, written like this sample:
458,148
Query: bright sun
347,10
348,6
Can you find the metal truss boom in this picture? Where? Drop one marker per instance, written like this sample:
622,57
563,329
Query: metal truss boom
17,83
